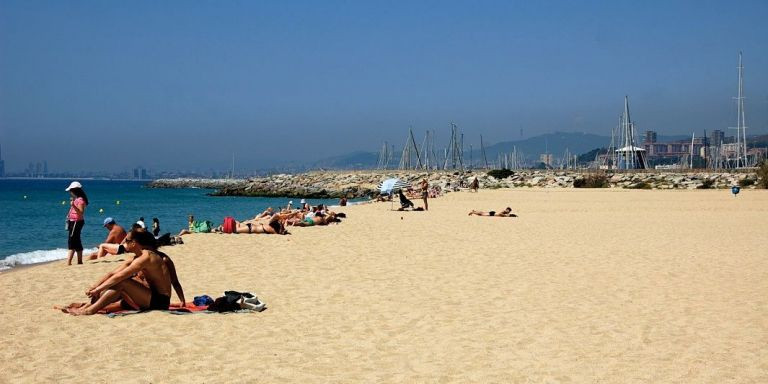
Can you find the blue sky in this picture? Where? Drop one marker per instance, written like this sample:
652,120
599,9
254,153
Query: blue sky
106,85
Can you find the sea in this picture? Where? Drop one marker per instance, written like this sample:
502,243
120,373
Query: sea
33,213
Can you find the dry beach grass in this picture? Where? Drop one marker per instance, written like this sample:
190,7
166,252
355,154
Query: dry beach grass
611,286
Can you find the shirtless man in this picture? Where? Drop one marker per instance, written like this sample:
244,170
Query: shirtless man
507,212
112,245
157,269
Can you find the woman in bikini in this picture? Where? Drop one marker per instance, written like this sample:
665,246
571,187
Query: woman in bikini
274,226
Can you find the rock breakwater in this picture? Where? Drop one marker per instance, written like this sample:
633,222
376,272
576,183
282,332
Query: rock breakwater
355,184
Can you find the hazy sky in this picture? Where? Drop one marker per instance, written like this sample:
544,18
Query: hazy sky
108,85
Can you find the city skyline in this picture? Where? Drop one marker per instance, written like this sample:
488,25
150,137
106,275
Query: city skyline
108,87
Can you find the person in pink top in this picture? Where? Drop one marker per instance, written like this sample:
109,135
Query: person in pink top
75,221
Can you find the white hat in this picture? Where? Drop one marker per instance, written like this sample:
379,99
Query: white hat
303,201
74,184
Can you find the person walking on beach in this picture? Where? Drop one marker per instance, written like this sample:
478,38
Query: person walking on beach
75,221
424,186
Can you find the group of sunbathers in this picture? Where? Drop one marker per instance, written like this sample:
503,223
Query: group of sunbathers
273,222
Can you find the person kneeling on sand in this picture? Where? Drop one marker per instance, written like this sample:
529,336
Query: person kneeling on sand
507,212
158,271
112,245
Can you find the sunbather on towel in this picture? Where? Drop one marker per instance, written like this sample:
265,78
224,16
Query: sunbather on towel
159,272
507,212
275,225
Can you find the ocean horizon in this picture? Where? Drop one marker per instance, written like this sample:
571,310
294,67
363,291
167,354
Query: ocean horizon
34,213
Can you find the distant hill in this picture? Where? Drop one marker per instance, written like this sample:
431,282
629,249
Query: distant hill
554,143
577,143
354,160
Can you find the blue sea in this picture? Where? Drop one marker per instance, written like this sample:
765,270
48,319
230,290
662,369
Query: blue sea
33,213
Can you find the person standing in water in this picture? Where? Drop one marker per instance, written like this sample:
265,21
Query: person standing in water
75,221
155,227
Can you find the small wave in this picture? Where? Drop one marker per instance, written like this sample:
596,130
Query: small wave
35,257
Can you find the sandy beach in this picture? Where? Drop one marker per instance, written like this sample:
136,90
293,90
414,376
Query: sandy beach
612,286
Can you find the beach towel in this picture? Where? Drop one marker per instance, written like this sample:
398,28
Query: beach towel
174,309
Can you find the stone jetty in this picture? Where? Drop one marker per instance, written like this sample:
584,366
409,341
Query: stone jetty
354,184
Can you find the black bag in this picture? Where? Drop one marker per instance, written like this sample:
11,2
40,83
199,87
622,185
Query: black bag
222,304
229,302
164,239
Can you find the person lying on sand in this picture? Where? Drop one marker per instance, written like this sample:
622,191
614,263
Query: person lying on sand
318,219
119,285
275,225
507,212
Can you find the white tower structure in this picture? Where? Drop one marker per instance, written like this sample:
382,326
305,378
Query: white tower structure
629,156
740,159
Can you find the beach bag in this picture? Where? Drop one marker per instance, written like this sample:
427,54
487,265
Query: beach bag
229,225
202,226
222,304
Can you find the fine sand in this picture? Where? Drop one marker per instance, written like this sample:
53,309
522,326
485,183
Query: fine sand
611,286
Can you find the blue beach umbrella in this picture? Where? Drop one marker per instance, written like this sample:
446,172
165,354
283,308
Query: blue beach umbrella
389,185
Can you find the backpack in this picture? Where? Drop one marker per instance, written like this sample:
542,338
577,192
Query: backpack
229,225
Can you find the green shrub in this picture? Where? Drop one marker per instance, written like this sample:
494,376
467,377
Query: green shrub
762,175
641,185
500,173
746,182
591,181
706,184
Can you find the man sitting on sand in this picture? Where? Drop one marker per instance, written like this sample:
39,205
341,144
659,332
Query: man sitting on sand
507,212
157,269
112,245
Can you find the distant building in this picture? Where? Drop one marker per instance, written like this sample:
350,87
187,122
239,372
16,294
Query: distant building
650,136
671,149
140,173
546,158
716,138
